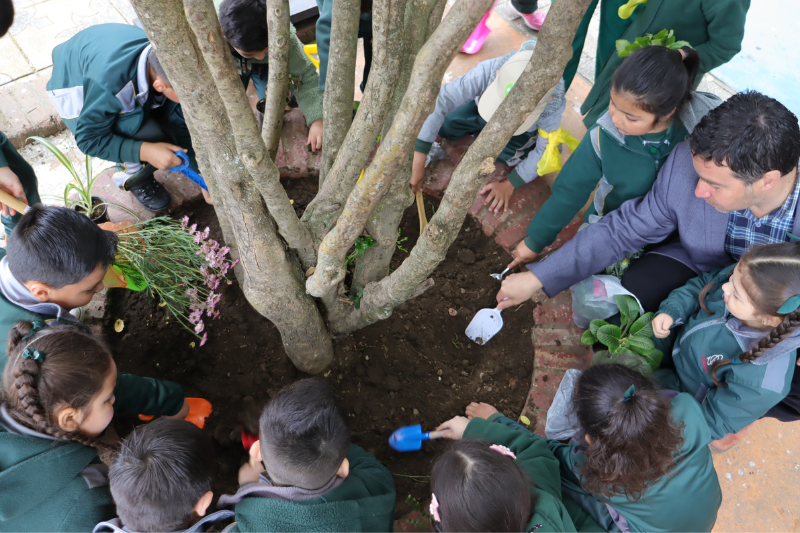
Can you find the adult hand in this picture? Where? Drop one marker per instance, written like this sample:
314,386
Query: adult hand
9,182
498,193
160,155
661,324
315,135
522,255
480,410
454,427
418,172
517,288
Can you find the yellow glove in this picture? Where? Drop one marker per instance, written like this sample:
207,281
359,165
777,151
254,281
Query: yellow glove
627,10
551,158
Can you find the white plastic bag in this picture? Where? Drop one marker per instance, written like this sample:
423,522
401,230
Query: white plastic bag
562,422
593,298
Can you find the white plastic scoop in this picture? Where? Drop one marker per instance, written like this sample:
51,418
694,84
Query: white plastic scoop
484,325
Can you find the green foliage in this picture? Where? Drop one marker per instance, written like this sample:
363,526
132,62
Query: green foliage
416,506
662,38
356,296
362,244
629,344
401,241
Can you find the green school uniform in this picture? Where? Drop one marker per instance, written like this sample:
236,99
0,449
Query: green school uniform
363,502
306,80
538,462
41,488
715,28
9,157
686,499
698,339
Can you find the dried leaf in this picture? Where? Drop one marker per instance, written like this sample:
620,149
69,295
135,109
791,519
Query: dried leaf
525,420
191,344
452,312
119,325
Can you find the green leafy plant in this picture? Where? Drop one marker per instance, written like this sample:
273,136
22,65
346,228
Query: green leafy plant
619,268
401,241
363,243
416,506
628,344
662,38
356,296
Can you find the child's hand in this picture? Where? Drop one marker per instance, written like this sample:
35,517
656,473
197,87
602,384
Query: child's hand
418,172
248,473
522,255
480,410
9,182
661,324
455,427
315,135
160,155
498,193
183,412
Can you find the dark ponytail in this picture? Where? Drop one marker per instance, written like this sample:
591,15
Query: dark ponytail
658,78
73,372
634,439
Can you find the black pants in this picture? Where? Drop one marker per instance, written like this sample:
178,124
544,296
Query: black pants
652,277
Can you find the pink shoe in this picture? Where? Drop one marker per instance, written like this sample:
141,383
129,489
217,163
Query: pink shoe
532,20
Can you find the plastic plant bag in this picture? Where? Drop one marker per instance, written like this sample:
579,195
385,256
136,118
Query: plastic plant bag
562,422
593,298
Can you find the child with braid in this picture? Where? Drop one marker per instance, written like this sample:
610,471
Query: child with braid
735,339
60,391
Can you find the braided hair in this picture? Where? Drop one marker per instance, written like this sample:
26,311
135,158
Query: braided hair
72,374
770,275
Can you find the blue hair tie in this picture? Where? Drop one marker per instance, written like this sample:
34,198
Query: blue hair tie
790,305
32,353
629,393
38,325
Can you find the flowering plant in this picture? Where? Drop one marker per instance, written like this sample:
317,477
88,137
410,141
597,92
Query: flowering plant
179,264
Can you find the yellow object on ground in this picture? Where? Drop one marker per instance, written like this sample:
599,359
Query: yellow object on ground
311,50
423,218
551,158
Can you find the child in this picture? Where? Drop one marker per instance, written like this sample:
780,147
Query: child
305,475
60,391
749,307
499,453
110,89
465,105
161,480
324,38
643,463
652,109
244,24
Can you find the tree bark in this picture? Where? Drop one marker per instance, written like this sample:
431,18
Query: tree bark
426,78
340,82
271,279
278,86
542,72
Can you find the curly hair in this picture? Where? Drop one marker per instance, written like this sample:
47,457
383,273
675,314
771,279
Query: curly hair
633,442
770,275
72,374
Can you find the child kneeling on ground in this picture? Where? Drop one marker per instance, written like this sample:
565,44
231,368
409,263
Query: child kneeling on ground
60,391
752,305
305,475
465,105
161,480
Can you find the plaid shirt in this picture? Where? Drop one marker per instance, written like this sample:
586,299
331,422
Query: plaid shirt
745,230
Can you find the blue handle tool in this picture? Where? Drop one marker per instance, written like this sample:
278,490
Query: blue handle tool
184,169
409,438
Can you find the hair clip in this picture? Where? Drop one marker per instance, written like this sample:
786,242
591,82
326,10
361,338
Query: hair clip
38,325
36,355
434,508
790,305
629,393
503,450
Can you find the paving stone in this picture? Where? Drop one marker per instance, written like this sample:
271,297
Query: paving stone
13,63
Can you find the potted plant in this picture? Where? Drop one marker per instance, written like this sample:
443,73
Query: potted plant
628,344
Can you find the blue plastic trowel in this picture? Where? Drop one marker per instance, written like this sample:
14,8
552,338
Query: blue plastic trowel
409,438
184,169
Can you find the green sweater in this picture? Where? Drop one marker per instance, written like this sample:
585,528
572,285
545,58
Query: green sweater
715,28
538,462
9,157
752,388
305,80
686,499
363,502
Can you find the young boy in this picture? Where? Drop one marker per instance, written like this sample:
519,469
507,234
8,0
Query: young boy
55,261
465,105
161,480
305,475
244,24
114,96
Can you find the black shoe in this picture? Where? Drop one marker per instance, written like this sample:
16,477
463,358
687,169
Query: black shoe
152,195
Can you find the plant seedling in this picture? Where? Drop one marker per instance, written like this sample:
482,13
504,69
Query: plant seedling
662,38
356,297
401,241
362,244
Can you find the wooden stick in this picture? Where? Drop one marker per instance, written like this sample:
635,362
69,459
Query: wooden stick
423,218
17,205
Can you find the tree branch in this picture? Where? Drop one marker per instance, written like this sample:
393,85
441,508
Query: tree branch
426,78
275,104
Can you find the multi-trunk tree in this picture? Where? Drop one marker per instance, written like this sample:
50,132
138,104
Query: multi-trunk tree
292,269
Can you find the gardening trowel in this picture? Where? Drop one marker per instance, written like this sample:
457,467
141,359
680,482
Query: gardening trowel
409,438
184,169
485,325
17,205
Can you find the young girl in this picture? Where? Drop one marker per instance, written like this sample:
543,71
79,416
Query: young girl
750,307
498,453
58,396
652,109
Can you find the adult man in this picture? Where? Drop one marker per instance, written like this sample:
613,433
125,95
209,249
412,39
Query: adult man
732,186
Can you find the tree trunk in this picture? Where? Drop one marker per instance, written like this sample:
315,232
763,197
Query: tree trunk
278,85
271,280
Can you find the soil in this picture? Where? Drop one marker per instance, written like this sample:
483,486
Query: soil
417,367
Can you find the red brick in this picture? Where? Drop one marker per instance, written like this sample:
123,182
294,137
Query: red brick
568,335
540,399
546,381
541,421
560,360
556,309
